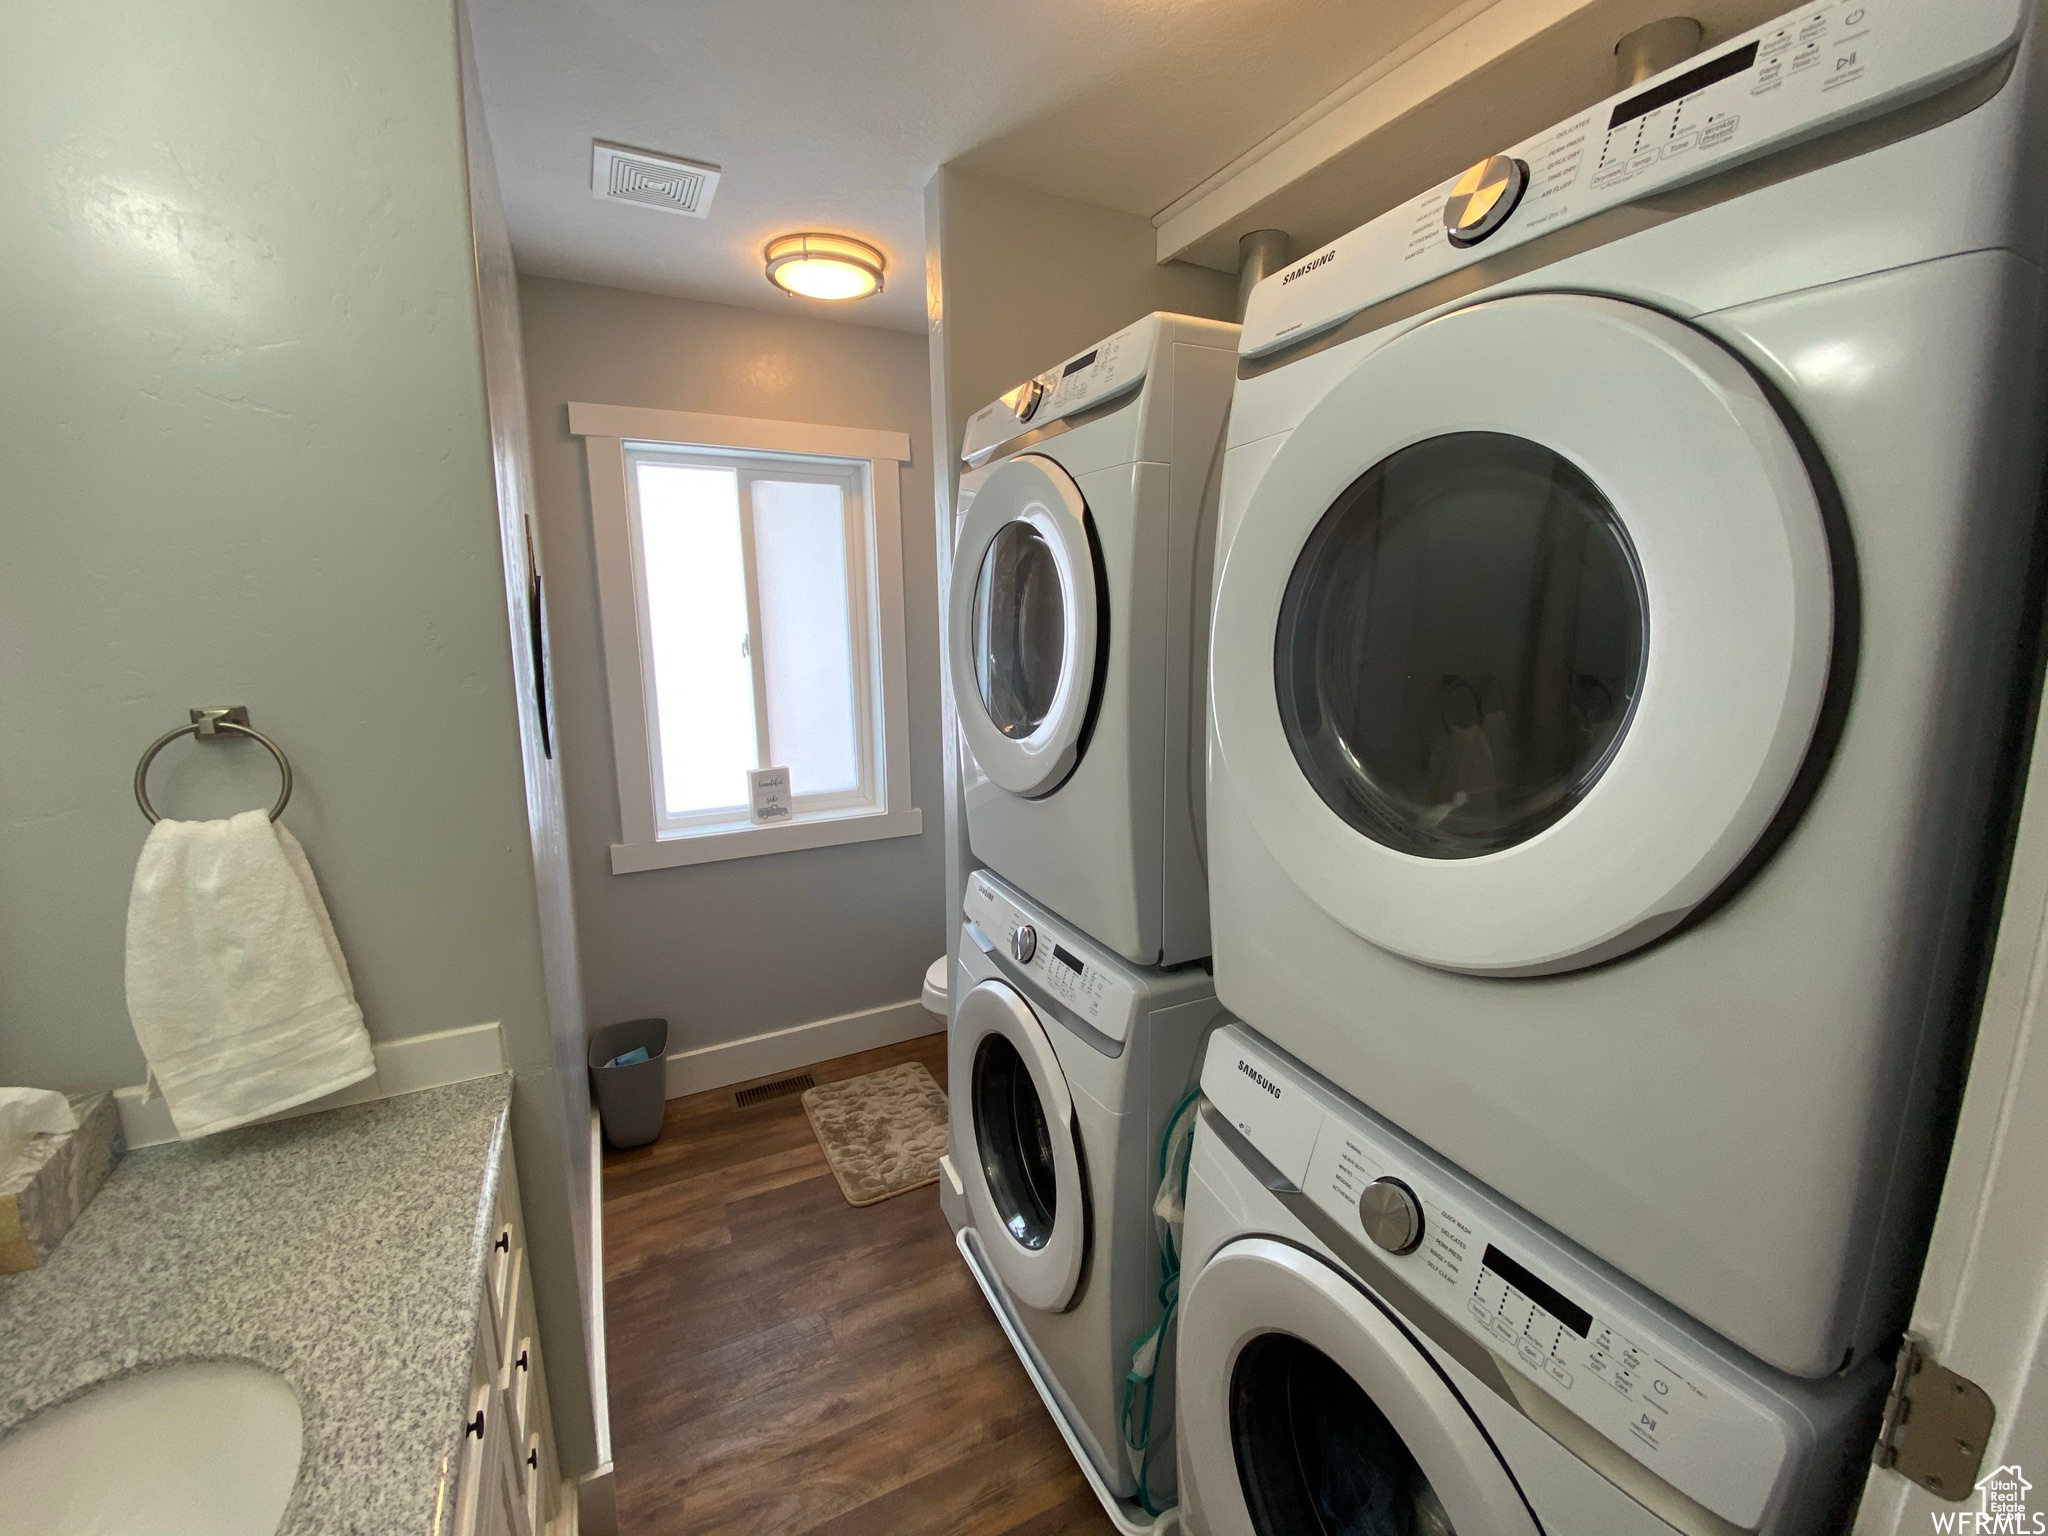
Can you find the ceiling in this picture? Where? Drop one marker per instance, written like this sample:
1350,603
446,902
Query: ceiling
833,114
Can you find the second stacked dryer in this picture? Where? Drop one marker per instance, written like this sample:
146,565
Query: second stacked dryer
1075,631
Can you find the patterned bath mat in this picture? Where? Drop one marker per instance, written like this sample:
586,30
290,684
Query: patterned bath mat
882,1133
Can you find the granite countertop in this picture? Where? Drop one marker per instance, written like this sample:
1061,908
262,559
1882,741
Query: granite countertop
344,1250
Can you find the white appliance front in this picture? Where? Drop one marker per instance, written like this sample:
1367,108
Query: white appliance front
1023,1177
1538,609
1074,632
1368,1335
1610,690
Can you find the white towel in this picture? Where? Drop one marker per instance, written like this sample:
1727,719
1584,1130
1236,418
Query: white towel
236,985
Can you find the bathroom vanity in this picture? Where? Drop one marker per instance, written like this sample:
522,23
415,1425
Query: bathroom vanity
506,1482
366,1265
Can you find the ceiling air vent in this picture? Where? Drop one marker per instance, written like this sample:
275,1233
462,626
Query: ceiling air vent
622,175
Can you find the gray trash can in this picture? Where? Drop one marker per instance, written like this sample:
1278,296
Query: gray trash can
630,1098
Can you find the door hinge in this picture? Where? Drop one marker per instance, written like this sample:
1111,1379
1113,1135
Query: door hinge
1936,1425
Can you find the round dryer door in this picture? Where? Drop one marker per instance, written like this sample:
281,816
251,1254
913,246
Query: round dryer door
1306,1408
1023,1180
1523,637
1025,625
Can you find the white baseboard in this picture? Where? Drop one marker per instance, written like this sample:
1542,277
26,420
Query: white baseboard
403,1066
600,1377
801,1045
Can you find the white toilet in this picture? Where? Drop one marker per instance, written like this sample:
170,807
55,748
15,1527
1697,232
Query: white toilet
935,989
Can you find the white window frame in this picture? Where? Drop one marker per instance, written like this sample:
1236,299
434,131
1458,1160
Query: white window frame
613,435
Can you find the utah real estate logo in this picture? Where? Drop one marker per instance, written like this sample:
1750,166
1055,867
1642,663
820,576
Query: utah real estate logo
2003,1508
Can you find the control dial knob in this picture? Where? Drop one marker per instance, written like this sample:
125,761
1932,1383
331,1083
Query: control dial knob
1024,943
1030,395
1391,1215
1482,199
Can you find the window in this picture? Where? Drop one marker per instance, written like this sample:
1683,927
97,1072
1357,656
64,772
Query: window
750,579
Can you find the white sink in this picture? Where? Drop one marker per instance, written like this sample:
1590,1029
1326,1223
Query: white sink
209,1448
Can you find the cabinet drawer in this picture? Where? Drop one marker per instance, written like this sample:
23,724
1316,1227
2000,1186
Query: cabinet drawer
543,1482
476,1470
505,1258
501,1276
522,1374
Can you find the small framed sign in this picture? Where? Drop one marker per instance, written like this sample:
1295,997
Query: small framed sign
768,796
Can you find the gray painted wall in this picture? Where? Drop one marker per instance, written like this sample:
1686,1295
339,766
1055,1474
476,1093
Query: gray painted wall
244,459
551,1122
745,946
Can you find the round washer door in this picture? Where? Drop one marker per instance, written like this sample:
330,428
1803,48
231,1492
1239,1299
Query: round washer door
1024,1177
1024,625
1306,1410
1523,636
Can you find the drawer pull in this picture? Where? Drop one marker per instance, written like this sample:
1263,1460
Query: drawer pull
533,1458
521,1362
504,1242
475,1426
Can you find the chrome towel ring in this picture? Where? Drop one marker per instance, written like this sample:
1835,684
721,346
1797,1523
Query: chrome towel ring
208,723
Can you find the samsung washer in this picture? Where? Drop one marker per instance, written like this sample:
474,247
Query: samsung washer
1064,1065
1372,1341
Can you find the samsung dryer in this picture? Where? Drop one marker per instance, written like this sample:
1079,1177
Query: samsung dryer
1075,631
1372,1341
1619,646
1064,1065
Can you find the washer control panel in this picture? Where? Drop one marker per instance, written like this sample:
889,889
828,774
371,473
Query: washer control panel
1110,367
1067,967
1807,73
1585,1338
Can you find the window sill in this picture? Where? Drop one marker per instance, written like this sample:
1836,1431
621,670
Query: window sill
748,842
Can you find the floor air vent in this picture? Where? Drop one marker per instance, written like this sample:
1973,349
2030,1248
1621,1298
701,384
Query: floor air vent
622,175
781,1088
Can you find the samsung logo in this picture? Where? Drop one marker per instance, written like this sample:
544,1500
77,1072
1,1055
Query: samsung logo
1258,1077
1308,266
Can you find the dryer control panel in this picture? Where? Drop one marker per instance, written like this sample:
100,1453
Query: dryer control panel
1697,1413
1066,967
1806,74
1109,368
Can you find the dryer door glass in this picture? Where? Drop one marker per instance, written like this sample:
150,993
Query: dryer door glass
1316,1456
1461,645
1015,1142
1020,626
1521,635
1026,625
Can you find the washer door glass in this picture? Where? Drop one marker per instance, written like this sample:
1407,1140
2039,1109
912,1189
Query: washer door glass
1316,1456
1461,645
1014,1141
1017,1144
1020,627
1307,1409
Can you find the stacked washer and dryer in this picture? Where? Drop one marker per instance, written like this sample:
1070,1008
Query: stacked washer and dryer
1622,634
1075,641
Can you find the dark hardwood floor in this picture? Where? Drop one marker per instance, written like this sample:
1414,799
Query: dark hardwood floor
782,1363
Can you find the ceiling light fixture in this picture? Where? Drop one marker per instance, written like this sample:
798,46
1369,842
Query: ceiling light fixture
824,266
